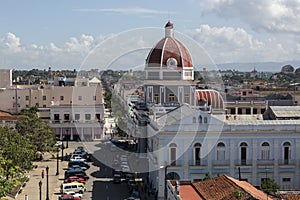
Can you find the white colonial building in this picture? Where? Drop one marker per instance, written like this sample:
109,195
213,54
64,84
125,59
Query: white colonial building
189,133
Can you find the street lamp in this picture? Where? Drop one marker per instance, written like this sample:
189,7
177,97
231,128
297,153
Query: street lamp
166,170
57,170
40,187
67,138
47,188
62,150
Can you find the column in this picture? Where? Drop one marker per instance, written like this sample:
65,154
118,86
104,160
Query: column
276,149
254,161
232,156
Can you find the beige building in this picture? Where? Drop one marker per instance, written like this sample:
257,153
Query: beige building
5,78
77,109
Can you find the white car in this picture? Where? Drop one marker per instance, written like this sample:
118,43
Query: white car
58,144
123,158
125,169
76,158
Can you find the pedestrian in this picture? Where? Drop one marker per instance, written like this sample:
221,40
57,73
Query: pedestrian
43,173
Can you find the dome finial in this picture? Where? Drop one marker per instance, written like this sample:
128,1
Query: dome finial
169,32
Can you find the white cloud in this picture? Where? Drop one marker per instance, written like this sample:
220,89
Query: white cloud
11,43
268,15
136,10
227,44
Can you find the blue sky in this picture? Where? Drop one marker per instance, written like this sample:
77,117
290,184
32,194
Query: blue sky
63,33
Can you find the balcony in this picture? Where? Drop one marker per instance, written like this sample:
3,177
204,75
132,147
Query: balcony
243,162
286,162
198,163
221,163
269,162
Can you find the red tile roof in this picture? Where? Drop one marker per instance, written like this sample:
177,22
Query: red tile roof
226,188
290,196
7,117
187,192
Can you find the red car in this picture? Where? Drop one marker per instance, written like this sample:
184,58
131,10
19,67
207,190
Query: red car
69,197
74,178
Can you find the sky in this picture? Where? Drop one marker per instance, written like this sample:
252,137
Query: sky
77,34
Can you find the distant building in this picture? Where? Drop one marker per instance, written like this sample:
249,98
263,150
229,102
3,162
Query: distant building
5,78
73,107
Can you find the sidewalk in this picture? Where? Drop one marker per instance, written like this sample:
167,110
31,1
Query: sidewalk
31,190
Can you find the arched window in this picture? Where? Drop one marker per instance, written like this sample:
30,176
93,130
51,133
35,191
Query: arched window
173,149
286,152
205,120
197,153
194,119
200,119
221,151
265,151
243,153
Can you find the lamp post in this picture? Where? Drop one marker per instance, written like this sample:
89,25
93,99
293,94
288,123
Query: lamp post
57,165
165,188
67,131
47,186
267,182
40,187
62,150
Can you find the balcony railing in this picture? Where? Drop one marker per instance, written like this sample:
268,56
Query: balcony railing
198,163
243,162
221,162
265,162
286,162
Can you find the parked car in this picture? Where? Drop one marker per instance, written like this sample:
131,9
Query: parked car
73,187
74,194
117,178
80,163
74,178
74,167
75,173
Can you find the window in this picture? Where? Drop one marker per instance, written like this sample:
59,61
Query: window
186,98
286,179
44,98
27,98
200,119
286,152
56,117
94,98
205,120
243,153
171,97
61,98
156,98
173,148
44,106
67,117
87,116
79,98
197,153
77,117
265,151
221,151
194,119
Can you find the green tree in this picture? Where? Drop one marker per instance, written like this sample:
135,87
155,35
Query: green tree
37,132
207,176
269,184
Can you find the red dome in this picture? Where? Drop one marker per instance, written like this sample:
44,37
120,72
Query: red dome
210,97
166,48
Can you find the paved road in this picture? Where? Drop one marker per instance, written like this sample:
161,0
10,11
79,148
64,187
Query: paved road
100,185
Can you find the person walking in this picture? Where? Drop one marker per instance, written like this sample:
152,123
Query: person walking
43,173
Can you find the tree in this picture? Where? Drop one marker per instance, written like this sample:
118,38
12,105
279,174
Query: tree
37,132
269,184
16,153
207,176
